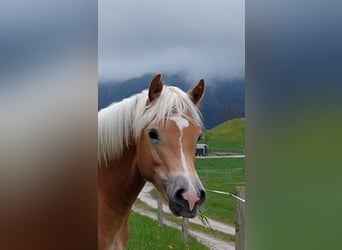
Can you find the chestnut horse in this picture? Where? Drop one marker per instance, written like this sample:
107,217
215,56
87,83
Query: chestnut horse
151,137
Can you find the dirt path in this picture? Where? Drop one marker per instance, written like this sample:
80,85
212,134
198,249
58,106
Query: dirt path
208,240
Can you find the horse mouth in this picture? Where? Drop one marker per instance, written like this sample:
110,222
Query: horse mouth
182,209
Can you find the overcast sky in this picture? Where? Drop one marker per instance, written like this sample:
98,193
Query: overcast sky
199,38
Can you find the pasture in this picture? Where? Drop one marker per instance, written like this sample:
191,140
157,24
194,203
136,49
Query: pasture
223,174
228,136
147,234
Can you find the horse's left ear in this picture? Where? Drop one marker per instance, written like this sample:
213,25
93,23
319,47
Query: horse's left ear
196,93
156,87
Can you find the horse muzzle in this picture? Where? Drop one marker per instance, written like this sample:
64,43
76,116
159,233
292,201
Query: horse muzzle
184,197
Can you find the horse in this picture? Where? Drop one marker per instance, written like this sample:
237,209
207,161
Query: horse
150,136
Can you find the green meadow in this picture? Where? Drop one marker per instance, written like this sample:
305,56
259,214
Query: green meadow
228,136
146,234
222,174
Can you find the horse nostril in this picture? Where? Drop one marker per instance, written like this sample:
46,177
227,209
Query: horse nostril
179,194
202,196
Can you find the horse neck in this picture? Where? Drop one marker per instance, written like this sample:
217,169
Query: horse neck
119,185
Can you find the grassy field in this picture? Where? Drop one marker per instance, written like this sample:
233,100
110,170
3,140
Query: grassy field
223,174
228,136
145,233
178,220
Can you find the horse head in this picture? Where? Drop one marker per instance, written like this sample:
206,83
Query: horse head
166,149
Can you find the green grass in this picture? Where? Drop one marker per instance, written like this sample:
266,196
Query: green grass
145,233
223,174
178,220
228,136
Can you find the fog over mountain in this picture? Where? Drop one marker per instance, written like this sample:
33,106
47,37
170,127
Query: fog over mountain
194,38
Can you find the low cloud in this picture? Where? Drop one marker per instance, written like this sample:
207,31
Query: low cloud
195,38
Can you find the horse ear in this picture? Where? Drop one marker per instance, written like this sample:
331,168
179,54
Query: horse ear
196,93
155,88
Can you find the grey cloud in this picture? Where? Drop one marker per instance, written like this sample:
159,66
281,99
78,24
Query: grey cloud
198,38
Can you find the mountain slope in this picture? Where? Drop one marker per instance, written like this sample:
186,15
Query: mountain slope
223,100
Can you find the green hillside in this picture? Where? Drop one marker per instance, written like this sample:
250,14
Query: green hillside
228,136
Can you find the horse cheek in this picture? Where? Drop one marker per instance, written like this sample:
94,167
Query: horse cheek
145,161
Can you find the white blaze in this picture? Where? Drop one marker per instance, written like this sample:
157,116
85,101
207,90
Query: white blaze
181,123
190,195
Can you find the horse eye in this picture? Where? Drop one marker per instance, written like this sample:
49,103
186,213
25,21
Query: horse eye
153,134
199,138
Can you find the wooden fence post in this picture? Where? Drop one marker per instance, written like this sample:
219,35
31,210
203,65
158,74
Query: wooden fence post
240,220
185,230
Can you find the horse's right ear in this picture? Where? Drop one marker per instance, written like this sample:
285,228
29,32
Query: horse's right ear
155,88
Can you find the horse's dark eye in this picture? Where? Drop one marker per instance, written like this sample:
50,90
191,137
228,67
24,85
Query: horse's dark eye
199,138
153,134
